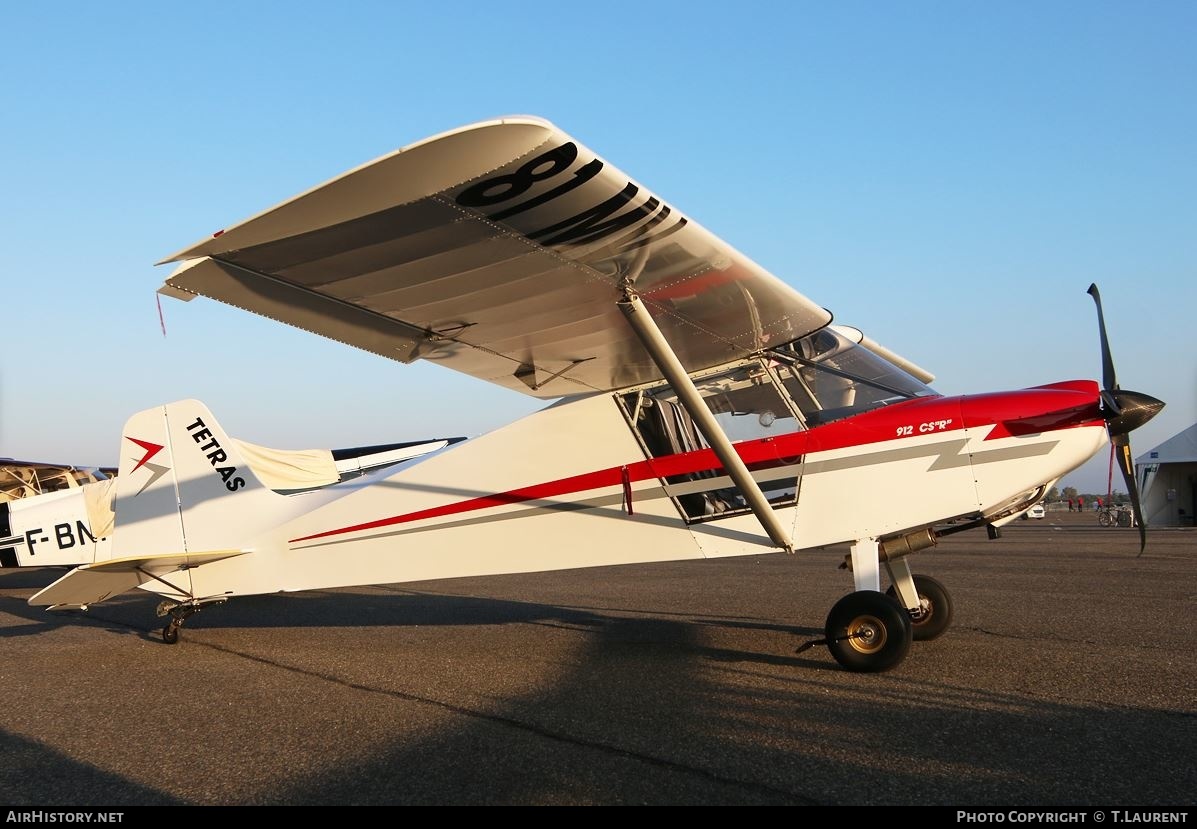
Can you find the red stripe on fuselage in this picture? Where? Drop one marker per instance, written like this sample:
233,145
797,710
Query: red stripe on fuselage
1036,410
1065,405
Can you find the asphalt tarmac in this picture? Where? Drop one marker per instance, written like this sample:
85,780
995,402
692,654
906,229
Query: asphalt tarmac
1067,680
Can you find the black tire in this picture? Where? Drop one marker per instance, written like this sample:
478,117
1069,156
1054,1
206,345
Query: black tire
935,615
170,633
868,631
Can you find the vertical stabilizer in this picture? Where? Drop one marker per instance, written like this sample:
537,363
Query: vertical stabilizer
183,486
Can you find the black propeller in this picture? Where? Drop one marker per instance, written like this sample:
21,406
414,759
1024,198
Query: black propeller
1124,411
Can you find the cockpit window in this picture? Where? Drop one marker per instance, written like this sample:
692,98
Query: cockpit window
747,406
819,379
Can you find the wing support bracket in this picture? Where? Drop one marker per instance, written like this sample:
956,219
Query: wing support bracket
671,367
151,577
526,374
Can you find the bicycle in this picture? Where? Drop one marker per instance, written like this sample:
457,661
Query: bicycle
1114,516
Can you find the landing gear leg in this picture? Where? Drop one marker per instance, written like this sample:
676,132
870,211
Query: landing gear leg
180,612
866,568
926,600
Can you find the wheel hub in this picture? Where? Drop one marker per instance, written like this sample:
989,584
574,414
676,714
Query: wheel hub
867,634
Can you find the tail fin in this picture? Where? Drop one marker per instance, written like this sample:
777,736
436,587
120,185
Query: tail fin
183,485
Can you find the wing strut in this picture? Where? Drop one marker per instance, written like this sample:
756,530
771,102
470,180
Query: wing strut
658,348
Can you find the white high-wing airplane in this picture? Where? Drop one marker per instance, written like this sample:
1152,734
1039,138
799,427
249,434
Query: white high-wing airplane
703,407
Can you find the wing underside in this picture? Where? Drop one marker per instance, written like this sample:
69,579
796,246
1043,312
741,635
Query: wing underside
498,250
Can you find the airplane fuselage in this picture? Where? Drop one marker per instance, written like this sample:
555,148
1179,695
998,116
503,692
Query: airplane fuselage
572,486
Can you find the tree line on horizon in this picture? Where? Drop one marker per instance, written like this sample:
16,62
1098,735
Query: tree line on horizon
1056,495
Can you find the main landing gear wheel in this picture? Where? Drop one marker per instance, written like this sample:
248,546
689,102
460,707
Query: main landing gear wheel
935,608
868,631
170,633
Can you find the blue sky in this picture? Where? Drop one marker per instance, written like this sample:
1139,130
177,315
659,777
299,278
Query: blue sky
949,177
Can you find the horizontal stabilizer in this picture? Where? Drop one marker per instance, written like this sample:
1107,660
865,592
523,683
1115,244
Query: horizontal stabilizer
92,583
350,466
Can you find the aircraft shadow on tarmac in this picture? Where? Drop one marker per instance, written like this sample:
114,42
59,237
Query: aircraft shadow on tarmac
389,606
673,723
35,775
643,711
638,707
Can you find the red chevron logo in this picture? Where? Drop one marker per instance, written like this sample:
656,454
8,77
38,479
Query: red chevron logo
151,449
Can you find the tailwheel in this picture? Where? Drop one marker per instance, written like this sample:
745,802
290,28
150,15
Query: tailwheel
180,612
934,613
868,631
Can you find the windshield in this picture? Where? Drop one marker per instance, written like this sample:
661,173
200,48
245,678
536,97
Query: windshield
830,377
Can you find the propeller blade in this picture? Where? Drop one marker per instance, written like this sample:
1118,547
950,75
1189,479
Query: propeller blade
1110,405
1108,379
1124,412
1127,465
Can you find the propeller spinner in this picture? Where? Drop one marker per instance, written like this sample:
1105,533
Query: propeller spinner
1124,412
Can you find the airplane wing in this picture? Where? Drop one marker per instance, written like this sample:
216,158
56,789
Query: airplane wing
92,583
498,250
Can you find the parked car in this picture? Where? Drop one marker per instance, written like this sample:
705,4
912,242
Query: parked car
1036,511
